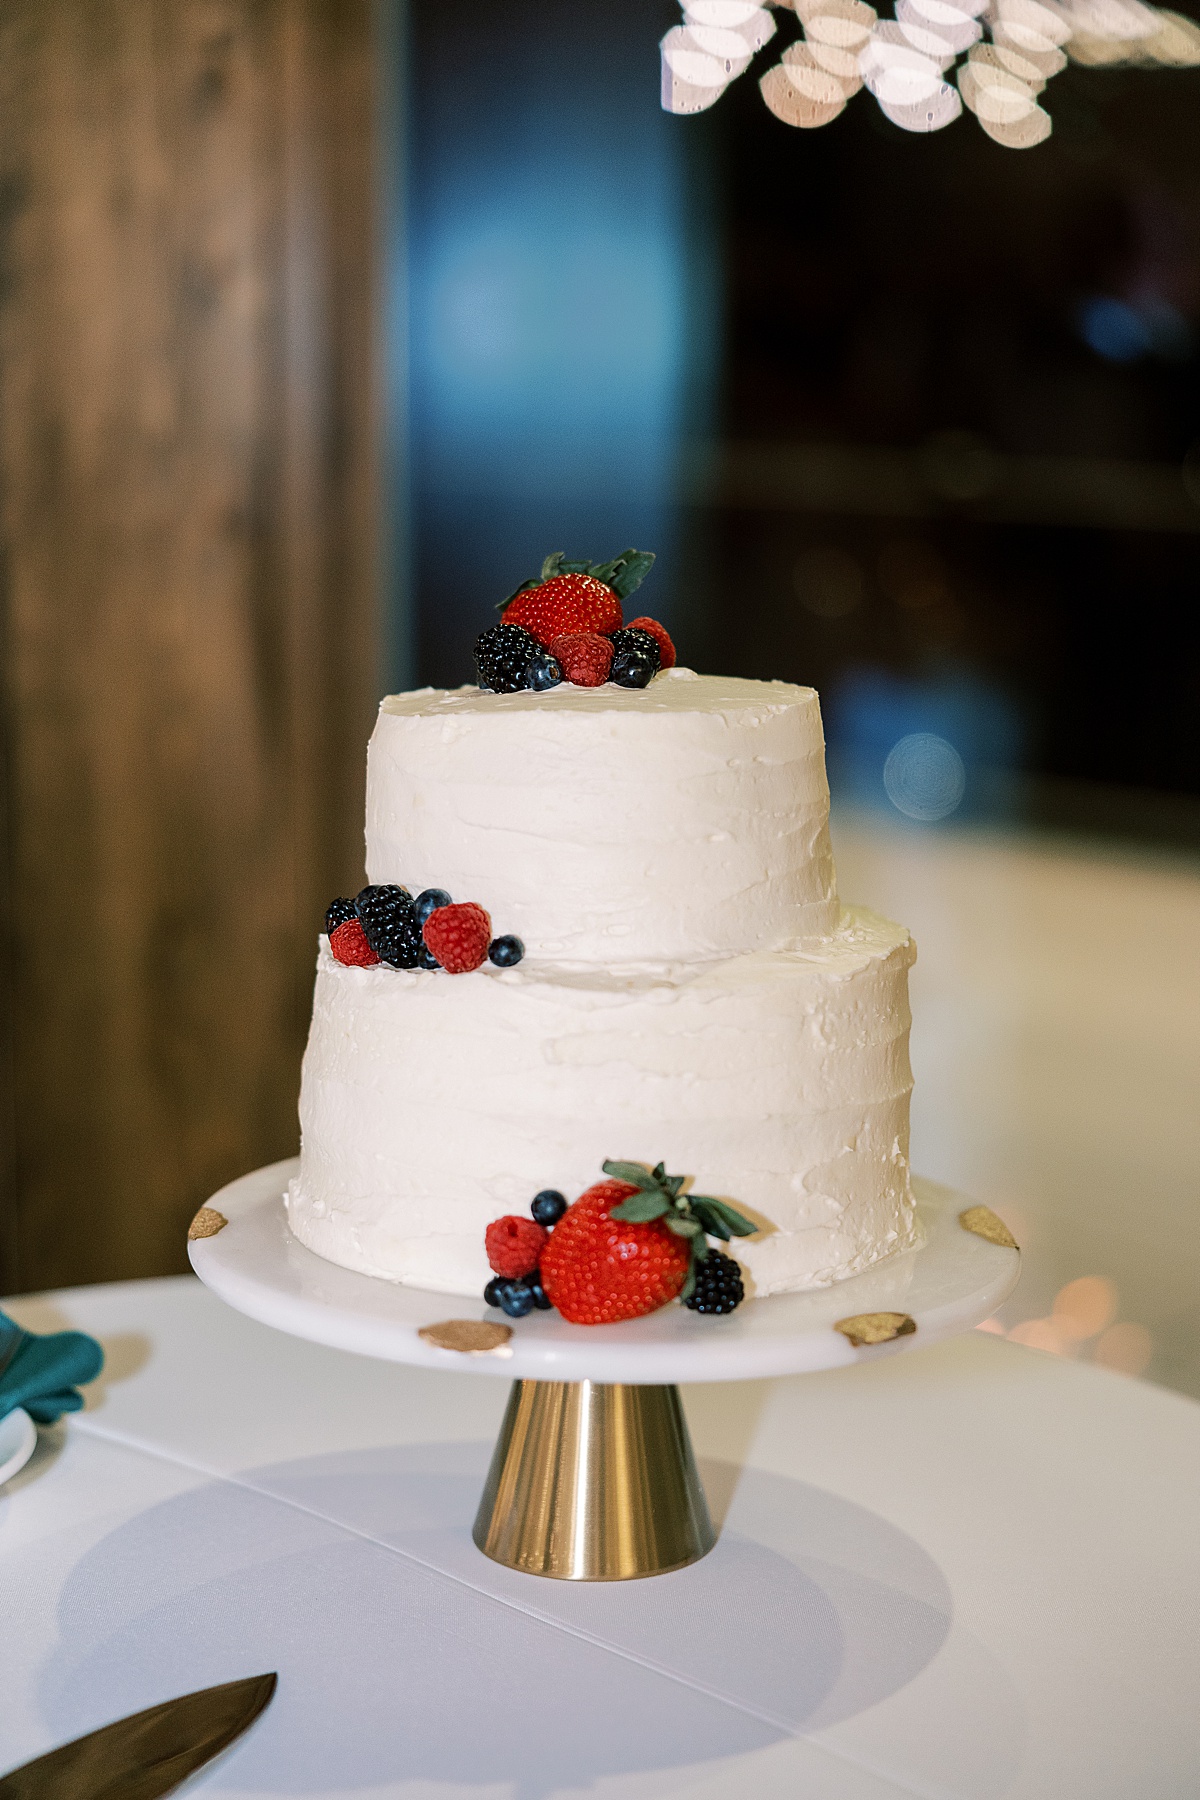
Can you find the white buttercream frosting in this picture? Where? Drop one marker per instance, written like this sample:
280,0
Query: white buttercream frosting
691,992
681,821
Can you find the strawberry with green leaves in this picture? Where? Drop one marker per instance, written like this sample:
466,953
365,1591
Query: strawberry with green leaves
632,1243
576,596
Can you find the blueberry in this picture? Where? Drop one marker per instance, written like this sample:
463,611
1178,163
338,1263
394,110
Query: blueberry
543,671
540,1298
428,901
506,952
491,1292
516,1297
426,959
631,669
548,1207
636,657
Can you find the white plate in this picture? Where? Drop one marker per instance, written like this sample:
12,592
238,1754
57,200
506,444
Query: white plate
18,1440
255,1264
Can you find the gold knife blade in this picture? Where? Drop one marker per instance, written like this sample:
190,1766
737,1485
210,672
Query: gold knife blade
149,1753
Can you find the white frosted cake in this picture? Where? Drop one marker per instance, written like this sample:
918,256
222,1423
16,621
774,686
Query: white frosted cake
691,989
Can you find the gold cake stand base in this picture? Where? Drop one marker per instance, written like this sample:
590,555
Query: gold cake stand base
593,1482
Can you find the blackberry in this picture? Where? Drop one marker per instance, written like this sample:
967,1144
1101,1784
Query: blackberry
506,952
337,913
548,1207
636,658
544,671
386,915
719,1286
502,655
428,900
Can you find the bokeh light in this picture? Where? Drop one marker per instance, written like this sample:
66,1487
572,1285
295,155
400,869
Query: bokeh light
924,776
1041,1334
1126,1348
1084,1307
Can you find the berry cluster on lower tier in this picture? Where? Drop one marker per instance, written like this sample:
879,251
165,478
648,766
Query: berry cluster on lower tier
569,626
626,1247
385,924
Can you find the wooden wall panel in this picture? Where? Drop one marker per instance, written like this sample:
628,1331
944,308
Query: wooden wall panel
188,455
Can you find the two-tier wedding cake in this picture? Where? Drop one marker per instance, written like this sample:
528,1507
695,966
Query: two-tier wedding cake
690,987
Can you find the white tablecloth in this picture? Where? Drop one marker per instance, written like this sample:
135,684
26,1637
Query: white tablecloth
969,1571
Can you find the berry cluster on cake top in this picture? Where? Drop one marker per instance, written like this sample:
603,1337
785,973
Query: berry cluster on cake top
568,625
626,1247
386,925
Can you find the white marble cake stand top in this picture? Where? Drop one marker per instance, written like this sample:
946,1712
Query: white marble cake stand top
952,1282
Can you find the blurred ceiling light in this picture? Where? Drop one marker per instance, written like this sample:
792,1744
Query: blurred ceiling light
1085,1306
924,777
800,93
903,61
1127,1348
709,50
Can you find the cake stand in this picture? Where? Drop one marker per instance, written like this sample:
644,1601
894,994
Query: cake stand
593,1477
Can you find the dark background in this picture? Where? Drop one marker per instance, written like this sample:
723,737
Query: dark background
928,429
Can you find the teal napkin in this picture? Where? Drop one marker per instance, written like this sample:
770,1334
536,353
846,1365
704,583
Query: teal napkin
42,1373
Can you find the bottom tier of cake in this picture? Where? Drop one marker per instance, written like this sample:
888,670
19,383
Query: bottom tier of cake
431,1104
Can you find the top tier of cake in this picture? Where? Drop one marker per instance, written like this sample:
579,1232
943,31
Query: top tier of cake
682,822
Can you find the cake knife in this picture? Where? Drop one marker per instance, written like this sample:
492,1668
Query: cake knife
149,1753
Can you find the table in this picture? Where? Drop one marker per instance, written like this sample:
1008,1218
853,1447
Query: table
1056,1049
969,1572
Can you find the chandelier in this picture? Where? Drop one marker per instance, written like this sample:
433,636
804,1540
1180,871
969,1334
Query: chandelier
922,66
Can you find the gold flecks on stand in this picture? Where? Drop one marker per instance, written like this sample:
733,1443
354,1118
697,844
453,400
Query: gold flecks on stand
876,1328
207,1222
474,1337
984,1223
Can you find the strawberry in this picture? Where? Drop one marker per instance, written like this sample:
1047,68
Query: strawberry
584,657
666,649
576,596
597,1269
565,603
348,942
629,1245
514,1245
458,936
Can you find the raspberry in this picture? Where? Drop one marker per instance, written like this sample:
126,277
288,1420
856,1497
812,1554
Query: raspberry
514,1245
597,1269
661,636
565,603
459,936
584,656
348,942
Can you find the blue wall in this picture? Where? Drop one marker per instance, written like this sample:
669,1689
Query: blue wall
561,281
